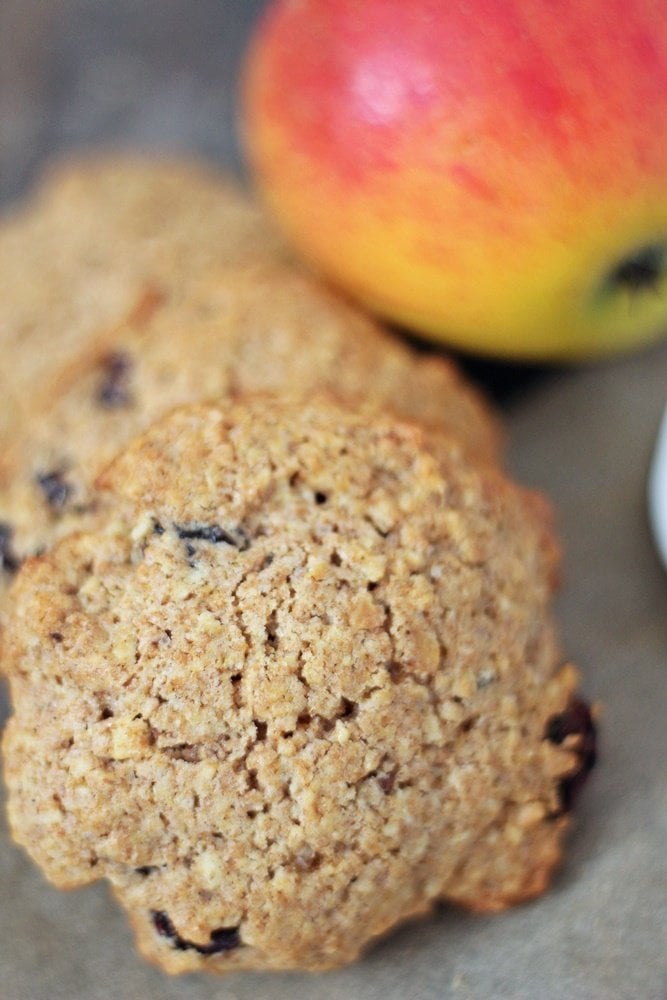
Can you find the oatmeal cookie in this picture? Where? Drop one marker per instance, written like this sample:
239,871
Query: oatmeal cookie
266,327
99,231
299,681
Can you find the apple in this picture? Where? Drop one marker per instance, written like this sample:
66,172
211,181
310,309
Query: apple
490,173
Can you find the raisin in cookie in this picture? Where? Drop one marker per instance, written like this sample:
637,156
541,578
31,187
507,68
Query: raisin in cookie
261,328
299,682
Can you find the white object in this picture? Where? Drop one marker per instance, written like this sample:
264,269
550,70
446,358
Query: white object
657,491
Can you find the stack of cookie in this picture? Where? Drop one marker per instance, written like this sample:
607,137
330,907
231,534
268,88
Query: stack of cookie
277,627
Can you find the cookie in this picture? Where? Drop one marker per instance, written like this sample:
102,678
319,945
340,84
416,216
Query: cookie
78,258
10,411
299,681
266,327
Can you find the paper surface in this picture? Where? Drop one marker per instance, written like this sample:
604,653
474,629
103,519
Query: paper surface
77,74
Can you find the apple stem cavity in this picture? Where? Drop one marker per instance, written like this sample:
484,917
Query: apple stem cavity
640,271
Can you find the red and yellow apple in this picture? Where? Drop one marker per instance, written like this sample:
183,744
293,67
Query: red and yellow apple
490,173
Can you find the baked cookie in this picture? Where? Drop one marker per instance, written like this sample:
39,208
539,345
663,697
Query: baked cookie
10,411
300,681
247,328
99,232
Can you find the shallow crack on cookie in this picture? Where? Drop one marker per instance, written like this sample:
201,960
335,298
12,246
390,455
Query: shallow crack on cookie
237,537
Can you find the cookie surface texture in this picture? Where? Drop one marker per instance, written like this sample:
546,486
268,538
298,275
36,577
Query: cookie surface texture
107,241
261,327
294,686
98,235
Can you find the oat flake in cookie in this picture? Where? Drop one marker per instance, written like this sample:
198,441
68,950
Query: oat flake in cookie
300,681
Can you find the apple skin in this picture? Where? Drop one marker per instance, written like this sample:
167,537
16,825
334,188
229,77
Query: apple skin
490,173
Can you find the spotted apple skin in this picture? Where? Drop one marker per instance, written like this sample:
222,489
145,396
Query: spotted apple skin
485,172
